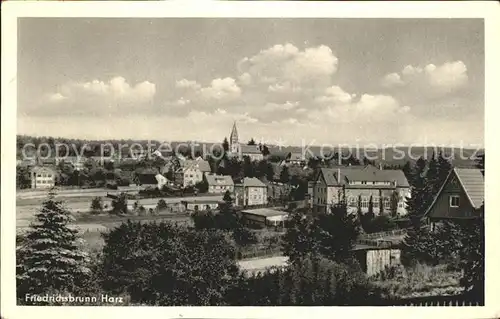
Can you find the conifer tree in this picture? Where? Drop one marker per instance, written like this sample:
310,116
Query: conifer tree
48,256
417,189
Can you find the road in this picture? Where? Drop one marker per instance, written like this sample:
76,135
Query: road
91,192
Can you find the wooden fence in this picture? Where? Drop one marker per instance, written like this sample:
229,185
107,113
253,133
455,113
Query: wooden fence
435,301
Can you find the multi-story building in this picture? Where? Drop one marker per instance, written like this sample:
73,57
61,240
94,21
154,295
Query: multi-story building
191,172
236,149
219,183
387,190
42,177
251,192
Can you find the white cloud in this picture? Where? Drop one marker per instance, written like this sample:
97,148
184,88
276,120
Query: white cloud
392,79
97,96
286,63
335,94
245,79
187,84
221,89
441,79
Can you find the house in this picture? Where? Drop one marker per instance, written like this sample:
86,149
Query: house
200,205
149,178
296,159
239,150
42,177
460,197
77,162
265,217
191,172
251,192
219,183
357,185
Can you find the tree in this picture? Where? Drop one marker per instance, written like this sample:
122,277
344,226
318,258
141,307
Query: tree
96,205
480,162
225,145
337,233
394,203
284,175
416,203
22,177
265,150
251,142
370,206
299,240
162,205
269,173
119,204
48,257
472,257
139,259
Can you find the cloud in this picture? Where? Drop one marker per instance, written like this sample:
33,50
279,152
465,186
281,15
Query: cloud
335,94
286,63
220,91
96,96
441,79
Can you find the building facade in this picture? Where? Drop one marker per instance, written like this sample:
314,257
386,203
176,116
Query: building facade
42,177
219,183
191,172
251,192
387,190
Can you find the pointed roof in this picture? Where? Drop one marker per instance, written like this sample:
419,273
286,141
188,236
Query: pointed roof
472,182
234,133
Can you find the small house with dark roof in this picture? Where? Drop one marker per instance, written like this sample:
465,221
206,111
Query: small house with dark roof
460,197
191,172
358,185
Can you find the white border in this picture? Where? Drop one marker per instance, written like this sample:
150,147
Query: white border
11,10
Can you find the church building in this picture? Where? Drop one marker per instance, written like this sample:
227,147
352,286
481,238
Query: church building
236,149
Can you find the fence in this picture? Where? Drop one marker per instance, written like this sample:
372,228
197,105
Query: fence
257,253
433,301
396,232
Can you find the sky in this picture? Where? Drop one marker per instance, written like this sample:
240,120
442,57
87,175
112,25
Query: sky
287,81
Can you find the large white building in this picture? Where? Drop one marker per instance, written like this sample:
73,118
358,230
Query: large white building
387,189
251,192
236,149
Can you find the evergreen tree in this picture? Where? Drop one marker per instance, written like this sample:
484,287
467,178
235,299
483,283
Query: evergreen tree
444,168
119,204
252,142
337,233
96,205
370,206
480,162
299,240
418,195
48,256
394,203
284,175
432,182
225,145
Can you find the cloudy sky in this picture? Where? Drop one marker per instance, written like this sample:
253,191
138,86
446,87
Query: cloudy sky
316,81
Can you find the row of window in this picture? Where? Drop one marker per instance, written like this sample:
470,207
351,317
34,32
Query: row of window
44,175
44,182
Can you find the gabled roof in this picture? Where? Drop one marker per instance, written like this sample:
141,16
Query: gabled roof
224,180
37,169
343,174
472,182
252,182
198,163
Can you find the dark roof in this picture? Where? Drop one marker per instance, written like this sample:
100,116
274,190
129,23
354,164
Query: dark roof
225,180
198,163
342,175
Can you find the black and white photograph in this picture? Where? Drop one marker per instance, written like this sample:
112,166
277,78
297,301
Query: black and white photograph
218,160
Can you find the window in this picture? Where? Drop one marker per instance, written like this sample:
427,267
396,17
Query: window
387,202
364,202
454,201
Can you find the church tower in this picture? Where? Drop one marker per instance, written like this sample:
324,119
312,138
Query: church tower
233,140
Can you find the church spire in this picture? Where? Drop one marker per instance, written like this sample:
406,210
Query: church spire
234,135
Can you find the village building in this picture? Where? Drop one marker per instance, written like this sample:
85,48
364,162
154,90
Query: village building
295,158
77,162
149,178
201,205
42,177
357,185
236,149
265,217
219,183
191,172
460,197
251,192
